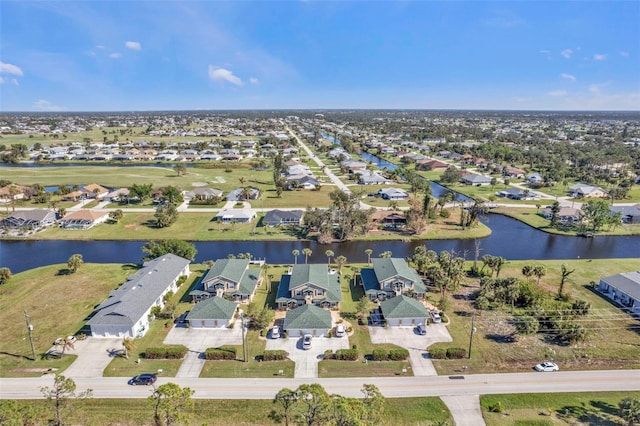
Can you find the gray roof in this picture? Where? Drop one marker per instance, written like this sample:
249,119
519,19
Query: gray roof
129,302
237,271
277,216
213,308
402,307
307,317
627,282
32,215
316,275
386,268
475,178
633,210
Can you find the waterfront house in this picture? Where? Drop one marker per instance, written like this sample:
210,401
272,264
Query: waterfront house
393,194
235,216
307,319
83,219
312,284
403,311
214,312
230,278
581,190
624,289
628,214
29,219
391,277
475,179
283,218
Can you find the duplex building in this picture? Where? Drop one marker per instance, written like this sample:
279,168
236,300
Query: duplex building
390,277
312,284
623,288
230,278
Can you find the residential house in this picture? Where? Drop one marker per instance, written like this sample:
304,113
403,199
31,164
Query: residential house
475,179
309,284
83,219
517,194
628,214
239,194
393,194
566,215
535,178
231,278
283,218
624,289
391,277
117,195
307,319
371,178
301,182
435,165
127,310
235,215
387,219
513,172
203,193
581,190
12,192
29,219
214,312
403,311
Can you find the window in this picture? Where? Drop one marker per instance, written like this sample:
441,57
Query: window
231,286
319,292
298,293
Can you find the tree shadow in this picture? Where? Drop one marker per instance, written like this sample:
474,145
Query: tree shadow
588,415
16,355
63,272
463,313
501,338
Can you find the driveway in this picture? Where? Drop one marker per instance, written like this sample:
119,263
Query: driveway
406,337
94,355
199,339
307,361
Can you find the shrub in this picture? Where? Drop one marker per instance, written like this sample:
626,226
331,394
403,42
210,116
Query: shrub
214,354
276,355
456,353
496,408
398,354
166,352
346,354
380,355
438,353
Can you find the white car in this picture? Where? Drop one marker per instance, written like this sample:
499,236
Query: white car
435,317
546,366
275,332
340,330
306,342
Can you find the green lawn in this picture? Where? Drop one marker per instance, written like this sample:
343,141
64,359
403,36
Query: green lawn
550,409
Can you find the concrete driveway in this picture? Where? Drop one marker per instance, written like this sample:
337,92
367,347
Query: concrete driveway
407,337
199,339
94,355
307,360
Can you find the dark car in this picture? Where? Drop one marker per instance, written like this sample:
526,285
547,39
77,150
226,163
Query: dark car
421,329
144,379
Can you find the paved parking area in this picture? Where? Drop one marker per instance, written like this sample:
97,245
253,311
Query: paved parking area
417,345
94,355
199,339
307,361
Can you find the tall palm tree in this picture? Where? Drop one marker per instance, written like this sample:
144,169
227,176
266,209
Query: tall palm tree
368,252
386,254
128,343
340,261
295,254
329,254
307,252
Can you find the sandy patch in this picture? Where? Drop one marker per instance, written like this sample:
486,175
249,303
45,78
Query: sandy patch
199,184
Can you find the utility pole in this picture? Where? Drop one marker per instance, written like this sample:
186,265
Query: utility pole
30,329
473,330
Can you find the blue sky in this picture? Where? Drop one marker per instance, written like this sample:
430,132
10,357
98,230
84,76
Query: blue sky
164,55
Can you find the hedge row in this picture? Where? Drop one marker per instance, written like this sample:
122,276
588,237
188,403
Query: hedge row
166,352
346,354
216,354
450,353
390,355
277,355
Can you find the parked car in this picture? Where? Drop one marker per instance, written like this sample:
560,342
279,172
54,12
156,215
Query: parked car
275,332
144,379
546,366
435,317
421,329
182,319
340,330
306,342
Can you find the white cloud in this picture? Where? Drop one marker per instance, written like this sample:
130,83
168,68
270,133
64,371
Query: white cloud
557,93
253,80
99,46
566,53
115,55
133,45
568,76
44,105
599,57
221,74
596,88
15,82
10,69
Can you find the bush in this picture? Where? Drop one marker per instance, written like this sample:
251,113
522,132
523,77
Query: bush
346,354
276,355
166,352
398,354
456,353
380,355
222,353
438,353
496,408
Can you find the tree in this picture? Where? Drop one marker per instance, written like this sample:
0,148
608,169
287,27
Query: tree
61,393
314,404
12,413
451,175
565,272
295,254
595,214
539,271
364,306
329,254
116,215
128,344
180,169
166,215
75,262
307,252
140,191
286,399
66,343
180,248
386,254
527,271
172,195
5,275
629,410
368,252
373,404
170,402
526,325
340,261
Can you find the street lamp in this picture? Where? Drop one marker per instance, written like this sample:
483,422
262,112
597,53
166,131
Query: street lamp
244,344
473,331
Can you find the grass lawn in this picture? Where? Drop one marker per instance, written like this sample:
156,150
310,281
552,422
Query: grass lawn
57,304
612,341
543,409
135,412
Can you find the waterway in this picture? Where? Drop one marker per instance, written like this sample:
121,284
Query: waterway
510,239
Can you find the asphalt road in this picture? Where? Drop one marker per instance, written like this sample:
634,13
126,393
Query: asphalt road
391,387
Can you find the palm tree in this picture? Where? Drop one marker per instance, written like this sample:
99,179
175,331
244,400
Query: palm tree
329,254
341,260
565,275
74,262
368,253
307,252
527,271
539,271
386,254
128,344
295,254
